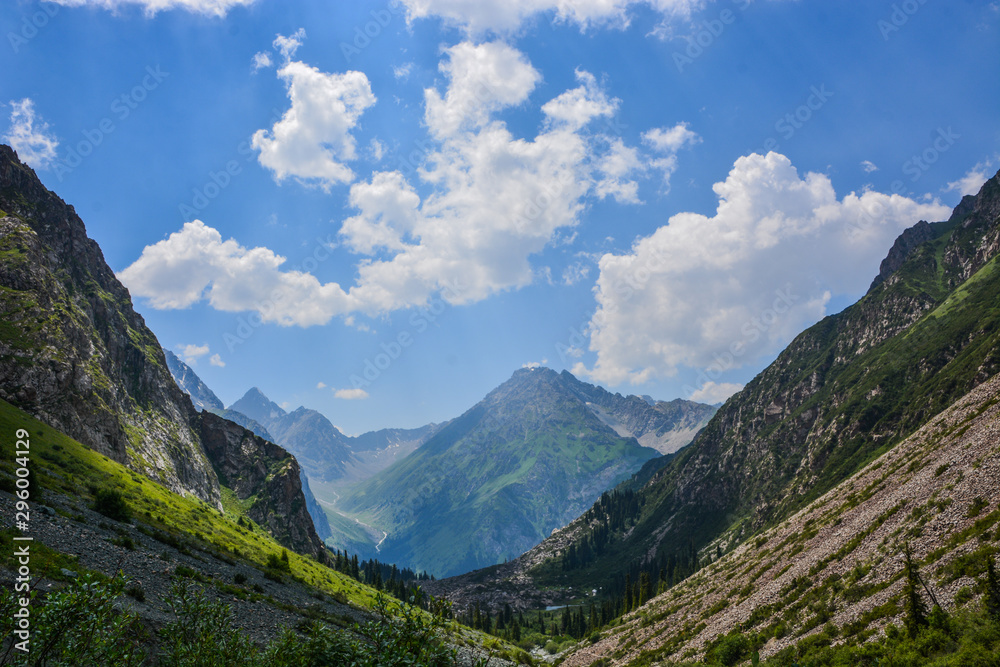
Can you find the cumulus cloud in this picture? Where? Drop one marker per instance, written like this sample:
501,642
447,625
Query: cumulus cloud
496,200
208,7
192,353
216,360
350,394
714,392
29,135
868,166
321,385
972,181
312,141
464,226
721,291
482,78
578,106
195,264
476,16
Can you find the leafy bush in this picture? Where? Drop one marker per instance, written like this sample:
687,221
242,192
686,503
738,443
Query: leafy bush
79,625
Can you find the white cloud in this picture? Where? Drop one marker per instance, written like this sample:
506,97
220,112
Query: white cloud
667,142
578,106
535,364
670,139
476,16
973,179
216,360
402,72
489,201
712,392
192,353
195,264
496,200
313,139
719,292
29,135
482,78
350,394
616,169
575,272
321,385
261,60
288,45
868,166
209,7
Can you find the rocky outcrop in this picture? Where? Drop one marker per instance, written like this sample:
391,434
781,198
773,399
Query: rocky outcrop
264,473
75,354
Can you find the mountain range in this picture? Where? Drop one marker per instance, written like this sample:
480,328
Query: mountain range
528,458
525,481
787,522
845,392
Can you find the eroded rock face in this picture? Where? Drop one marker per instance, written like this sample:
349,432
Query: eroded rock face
257,468
75,354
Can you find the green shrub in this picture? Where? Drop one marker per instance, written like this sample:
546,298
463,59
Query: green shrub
111,503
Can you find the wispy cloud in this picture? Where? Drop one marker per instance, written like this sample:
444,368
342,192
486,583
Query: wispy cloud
350,394
30,136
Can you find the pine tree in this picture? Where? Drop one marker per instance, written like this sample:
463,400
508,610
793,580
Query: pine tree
991,598
916,608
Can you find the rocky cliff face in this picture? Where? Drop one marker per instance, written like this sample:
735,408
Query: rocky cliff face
257,469
75,354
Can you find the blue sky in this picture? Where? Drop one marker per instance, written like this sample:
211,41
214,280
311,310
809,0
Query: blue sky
381,210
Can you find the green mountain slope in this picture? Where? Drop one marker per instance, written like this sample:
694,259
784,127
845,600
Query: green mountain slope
496,480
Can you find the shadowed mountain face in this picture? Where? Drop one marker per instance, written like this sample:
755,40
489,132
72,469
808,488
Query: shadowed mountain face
842,393
76,355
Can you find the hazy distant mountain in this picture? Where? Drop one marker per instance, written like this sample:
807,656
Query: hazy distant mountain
202,397
527,459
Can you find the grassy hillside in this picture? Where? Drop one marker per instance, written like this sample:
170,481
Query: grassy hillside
64,466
